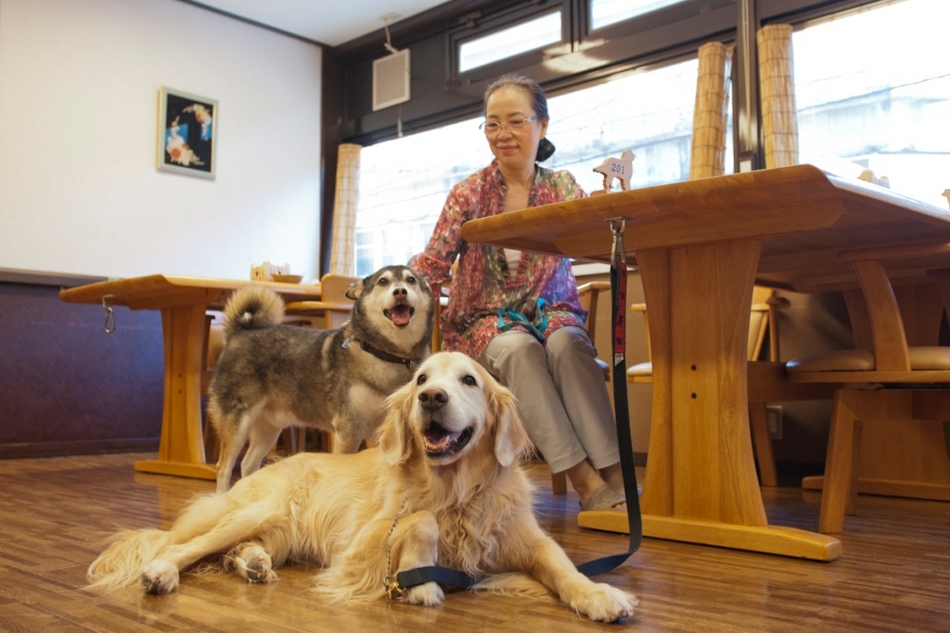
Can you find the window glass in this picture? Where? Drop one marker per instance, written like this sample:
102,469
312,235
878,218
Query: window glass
873,91
404,182
650,113
509,42
606,12
403,185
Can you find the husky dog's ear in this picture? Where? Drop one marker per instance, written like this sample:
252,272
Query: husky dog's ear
355,290
421,277
511,439
394,436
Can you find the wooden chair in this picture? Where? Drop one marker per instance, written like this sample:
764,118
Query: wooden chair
763,322
885,380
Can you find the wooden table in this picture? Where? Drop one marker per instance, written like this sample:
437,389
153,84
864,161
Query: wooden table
183,302
700,246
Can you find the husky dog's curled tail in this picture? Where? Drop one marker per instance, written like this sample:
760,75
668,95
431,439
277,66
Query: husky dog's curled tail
251,308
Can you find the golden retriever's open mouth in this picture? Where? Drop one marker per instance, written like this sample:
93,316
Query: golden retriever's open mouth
440,442
401,314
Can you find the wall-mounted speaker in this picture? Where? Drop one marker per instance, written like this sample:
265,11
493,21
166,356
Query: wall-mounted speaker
391,80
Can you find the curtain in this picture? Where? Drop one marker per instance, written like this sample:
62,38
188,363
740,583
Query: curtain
343,245
777,89
711,113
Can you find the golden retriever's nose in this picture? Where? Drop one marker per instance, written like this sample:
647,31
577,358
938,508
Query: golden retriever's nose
433,399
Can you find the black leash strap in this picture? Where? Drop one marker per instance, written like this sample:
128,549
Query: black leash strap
421,575
618,294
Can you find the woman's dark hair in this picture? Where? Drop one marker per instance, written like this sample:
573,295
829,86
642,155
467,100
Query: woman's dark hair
545,150
539,102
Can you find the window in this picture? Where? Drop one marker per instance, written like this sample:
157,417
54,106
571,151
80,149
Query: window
648,112
403,185
606,12
404,182
863,104
509,42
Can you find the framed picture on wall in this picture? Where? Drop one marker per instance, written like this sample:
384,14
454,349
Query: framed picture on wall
187,133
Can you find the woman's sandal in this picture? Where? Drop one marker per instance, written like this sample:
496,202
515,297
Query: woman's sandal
604,498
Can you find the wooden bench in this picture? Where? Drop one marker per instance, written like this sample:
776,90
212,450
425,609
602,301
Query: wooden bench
886,380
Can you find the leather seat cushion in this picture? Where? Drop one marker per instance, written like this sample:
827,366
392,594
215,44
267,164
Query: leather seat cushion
640,369
921,358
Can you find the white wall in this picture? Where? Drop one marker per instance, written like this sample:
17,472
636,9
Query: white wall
79,188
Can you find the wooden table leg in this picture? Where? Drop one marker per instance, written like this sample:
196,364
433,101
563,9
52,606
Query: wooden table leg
181,451
700,484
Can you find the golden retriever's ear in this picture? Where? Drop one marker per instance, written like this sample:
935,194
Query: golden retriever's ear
394,434
511,440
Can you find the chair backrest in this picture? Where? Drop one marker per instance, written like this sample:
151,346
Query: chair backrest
441,296
761,318
763,323
590,300
333,287
885,353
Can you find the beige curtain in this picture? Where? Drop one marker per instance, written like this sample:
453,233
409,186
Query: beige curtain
343,246
777,88
707,157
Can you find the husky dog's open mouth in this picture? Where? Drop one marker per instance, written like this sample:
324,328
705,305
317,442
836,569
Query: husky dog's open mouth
440,442
400,314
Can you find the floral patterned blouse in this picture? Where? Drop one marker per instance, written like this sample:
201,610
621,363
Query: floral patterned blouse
484,285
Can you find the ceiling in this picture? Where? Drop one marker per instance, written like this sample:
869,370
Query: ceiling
325,21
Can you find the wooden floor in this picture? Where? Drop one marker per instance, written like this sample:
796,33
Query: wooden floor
894,574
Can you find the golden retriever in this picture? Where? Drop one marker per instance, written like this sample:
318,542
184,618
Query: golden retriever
444,486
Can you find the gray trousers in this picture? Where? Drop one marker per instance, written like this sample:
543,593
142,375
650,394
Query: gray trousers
561,392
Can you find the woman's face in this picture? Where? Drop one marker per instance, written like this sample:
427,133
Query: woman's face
514,148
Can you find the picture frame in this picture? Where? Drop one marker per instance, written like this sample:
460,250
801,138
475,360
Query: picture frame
187,133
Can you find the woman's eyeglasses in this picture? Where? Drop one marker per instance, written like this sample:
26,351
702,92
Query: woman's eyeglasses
492,128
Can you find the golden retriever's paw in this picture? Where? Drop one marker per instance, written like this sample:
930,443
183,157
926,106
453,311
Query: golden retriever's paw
252,563
604,603
430,594
159,576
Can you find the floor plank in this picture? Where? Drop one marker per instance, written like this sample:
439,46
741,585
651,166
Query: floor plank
894,574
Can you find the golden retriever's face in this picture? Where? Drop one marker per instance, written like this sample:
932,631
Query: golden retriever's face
451,407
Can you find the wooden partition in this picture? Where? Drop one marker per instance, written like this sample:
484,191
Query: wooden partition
66,387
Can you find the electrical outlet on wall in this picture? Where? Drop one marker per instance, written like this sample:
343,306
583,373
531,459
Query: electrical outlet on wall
773,413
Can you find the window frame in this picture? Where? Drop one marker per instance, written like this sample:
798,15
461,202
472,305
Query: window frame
481,27
452,96
659,18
